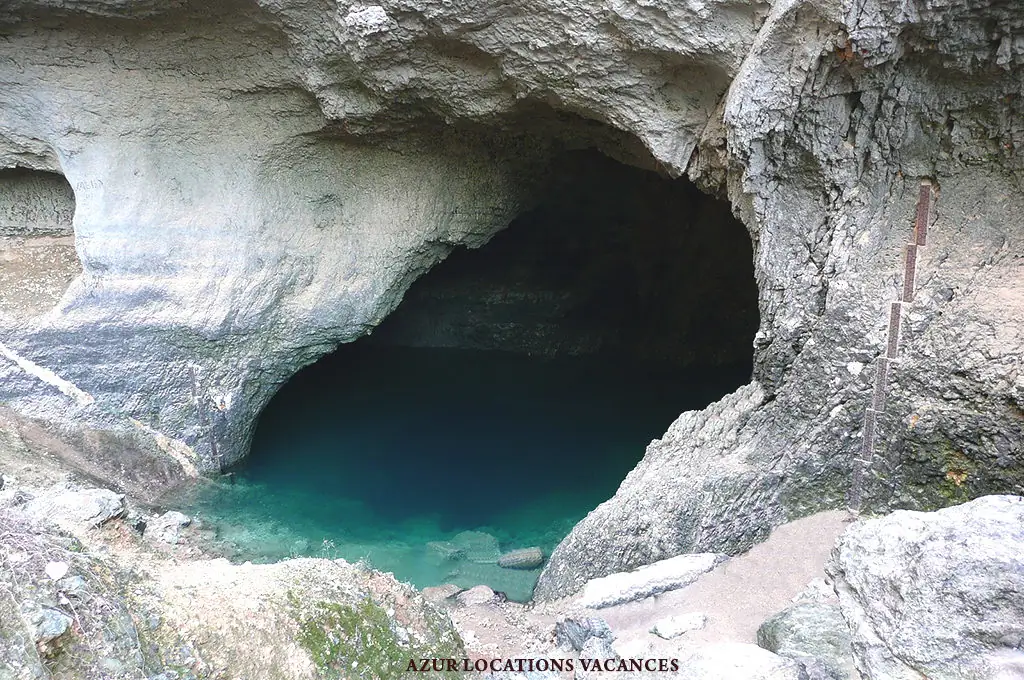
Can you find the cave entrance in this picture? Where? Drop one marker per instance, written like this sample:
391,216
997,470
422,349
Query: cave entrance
37,245
514,387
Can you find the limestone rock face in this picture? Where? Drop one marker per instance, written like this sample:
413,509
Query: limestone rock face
256,182
237,223
937,595
838,112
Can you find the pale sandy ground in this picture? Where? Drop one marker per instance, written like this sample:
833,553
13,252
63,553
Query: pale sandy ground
736,597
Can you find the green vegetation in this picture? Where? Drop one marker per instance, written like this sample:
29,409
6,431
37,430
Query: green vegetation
359,641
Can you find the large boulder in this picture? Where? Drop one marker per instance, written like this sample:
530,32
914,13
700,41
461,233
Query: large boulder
815,634
937,595
76,508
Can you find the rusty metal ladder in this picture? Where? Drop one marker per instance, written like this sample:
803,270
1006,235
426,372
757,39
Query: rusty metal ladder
863,463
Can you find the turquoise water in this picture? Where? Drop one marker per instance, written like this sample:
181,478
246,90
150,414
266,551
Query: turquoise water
374,453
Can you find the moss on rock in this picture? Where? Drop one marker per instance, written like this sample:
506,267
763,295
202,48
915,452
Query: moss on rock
363,641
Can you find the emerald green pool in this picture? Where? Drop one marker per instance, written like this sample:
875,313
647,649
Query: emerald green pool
382,454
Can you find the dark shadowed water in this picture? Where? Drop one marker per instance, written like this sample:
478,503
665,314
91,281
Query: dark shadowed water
374,452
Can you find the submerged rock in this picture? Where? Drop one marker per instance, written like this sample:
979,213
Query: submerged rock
477,546
660,577
446,550
525,558
815,634
936,594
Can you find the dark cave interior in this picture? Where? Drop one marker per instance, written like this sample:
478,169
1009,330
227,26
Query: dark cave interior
516,384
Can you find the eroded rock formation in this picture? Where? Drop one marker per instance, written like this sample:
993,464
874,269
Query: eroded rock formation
256,182
937,595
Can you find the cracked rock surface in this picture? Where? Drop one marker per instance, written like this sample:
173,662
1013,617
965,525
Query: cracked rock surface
256,182
937,595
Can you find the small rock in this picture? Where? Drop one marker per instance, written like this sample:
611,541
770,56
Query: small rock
477,595
167,527
818,590
573,633
598,648
594,648
438,594
46,623
135,520
14,497
526,558
56,570
660,577
112,665
674,626
72,585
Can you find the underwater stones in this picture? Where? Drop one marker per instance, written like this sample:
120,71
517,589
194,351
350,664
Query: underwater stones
939,594
477,546
446,550
517,584
524,558
660,577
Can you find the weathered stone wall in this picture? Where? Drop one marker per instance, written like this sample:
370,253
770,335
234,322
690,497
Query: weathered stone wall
836,116
259,181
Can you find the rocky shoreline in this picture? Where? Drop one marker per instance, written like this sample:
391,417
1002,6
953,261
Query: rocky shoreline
200,198
94,585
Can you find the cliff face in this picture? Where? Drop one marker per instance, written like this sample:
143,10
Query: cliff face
256,182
